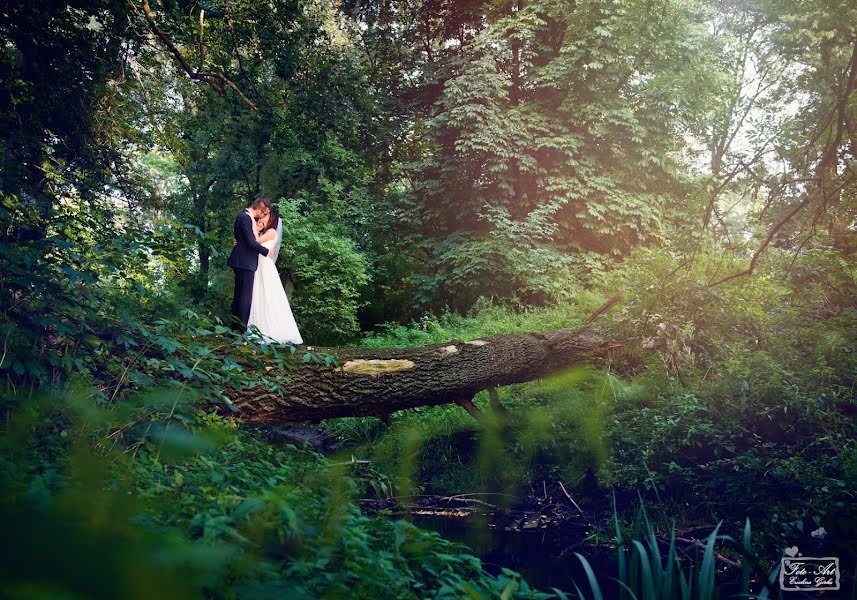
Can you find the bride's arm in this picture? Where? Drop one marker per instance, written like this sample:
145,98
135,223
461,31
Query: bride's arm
268,235
261,239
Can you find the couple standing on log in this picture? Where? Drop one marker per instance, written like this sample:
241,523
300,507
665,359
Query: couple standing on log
259,300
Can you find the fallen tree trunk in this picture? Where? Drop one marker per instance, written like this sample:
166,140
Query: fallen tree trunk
373,382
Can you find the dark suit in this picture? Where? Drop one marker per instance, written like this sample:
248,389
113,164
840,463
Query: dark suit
244,260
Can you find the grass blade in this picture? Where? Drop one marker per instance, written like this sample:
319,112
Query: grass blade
593,582
648,587
745,561
706,570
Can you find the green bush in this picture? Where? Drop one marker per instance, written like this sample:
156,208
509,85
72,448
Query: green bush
329,273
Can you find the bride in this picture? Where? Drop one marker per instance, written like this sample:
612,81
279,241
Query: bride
270,312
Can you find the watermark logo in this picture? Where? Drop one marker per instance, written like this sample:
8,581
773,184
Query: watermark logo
808,573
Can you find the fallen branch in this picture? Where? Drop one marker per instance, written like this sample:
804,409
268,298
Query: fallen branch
377,382
570,499
717,556
353,461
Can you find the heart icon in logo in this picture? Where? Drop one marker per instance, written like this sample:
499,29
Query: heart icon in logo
792,551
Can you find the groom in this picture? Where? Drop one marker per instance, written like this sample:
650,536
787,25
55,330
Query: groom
244,260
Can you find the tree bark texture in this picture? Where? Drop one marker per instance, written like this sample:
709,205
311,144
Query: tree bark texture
377,382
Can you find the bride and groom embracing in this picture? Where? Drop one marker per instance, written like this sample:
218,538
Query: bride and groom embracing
260,300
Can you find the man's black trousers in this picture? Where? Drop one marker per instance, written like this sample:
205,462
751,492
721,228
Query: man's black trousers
242,299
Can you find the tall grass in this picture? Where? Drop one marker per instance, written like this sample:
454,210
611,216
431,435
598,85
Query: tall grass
645,573
484,318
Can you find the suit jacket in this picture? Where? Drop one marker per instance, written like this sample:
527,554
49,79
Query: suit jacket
245,254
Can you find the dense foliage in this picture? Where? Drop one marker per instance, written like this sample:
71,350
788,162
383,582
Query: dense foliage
445,169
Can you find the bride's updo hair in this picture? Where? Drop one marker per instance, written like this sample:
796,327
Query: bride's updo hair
273,221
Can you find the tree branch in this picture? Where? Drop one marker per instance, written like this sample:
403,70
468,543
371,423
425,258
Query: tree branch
826,167
210,77
467,404
201,45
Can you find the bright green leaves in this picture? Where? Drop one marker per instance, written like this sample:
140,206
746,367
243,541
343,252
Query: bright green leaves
575,113
329,272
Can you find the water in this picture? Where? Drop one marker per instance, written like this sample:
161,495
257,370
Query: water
545,560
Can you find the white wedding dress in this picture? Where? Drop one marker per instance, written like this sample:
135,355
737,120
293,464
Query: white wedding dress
270,312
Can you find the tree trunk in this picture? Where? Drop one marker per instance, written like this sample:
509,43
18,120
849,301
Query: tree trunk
372,382
204,261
